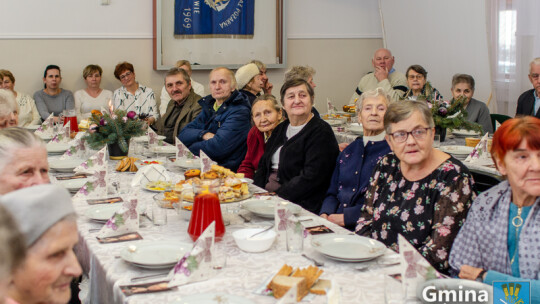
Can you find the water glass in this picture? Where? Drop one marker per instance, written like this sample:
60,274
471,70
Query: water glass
159,215
295,236
393,291
437,141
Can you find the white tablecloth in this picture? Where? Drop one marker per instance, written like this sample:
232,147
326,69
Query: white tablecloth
243,273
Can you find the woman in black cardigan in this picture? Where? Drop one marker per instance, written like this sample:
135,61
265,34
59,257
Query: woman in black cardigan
300,156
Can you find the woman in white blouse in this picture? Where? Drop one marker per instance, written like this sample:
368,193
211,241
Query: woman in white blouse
28,113
93,97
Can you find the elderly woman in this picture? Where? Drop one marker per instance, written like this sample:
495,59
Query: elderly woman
9,111
93,97
300,156
306,73
417,191
47,220
499,240
28,113
53,99
419,87
23,160
477,111
12,249
249,81
266,114
345,196
132,96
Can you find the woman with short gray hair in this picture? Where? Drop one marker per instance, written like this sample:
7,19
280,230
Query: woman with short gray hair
27,158
417,191
9,111
12,249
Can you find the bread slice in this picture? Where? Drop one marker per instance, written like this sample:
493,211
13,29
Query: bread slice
321,286
280,284
311,274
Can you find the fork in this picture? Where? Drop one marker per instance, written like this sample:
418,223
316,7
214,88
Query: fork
381,265
317,263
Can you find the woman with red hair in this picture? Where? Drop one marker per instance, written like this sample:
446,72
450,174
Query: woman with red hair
500,240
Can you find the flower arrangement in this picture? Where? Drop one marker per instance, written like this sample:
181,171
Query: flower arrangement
116,127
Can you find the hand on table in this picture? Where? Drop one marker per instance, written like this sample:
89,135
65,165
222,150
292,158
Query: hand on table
381,73
208,136
337,219
470,273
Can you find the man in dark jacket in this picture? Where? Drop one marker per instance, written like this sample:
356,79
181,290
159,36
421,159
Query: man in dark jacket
222,127
183,106
529,101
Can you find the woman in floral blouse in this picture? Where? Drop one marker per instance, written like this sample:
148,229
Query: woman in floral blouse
417,191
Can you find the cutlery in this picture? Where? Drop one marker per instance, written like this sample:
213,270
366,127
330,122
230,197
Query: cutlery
149,276
261,232
246,219
317,263
366,267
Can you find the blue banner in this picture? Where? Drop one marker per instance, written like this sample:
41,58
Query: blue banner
214,17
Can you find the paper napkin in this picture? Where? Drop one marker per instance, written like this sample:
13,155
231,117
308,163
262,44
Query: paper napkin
480,152
283,218
196,265
330,106
290,296
182,151
417,270
47,127
77,148
63,136
333,295
95,186
96,162
206,162
125,220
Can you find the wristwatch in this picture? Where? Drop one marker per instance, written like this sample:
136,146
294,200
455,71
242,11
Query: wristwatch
481,275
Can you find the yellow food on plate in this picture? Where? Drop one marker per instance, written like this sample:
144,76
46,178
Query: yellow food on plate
158,185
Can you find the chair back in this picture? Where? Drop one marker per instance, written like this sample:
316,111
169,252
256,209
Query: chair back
500,118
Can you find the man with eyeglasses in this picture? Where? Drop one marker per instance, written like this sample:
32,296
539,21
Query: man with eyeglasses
384,76
529,101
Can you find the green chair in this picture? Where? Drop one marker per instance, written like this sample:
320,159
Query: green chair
499,118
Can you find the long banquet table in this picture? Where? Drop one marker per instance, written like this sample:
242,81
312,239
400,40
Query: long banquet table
243,273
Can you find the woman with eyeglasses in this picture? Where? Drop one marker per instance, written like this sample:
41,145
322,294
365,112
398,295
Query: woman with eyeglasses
419,87
417,191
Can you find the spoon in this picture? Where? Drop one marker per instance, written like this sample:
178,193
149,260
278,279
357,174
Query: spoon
260,232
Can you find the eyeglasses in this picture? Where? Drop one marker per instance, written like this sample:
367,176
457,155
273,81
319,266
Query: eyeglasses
534,76
417,76
126,75
401,136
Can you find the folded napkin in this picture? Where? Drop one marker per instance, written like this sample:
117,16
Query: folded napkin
196,265
47,127
283,218
330,106
182,151
417,270
95,186
96,162
63,136
480,152
153,138
78,147
125,220
206,162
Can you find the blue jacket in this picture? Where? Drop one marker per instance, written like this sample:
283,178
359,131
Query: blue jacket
230,124
350,179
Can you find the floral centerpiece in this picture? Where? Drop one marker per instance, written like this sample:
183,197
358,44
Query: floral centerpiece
116,127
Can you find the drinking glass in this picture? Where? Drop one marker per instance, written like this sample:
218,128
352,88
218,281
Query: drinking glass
437,141
393,291
159,214
295,236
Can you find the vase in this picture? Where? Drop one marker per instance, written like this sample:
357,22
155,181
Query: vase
115,152
441,132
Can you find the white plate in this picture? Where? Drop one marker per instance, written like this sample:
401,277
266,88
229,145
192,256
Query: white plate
213,298
65,165
102,213
457,150
348,247
164,149
334,122
45,137
32,127
188,163
265,208
144,138
247,180
356,130
57,148
455,284
465,133
73,184
155,254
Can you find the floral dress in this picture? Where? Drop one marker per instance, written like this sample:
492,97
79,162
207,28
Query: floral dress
428,212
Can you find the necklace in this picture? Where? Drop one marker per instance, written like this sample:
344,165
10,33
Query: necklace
517,221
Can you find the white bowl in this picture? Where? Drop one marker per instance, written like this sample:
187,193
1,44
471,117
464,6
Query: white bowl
258,243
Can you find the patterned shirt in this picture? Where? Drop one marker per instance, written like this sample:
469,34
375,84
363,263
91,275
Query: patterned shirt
427,212
144,101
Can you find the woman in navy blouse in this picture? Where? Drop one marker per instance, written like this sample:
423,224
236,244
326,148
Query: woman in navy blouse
354,165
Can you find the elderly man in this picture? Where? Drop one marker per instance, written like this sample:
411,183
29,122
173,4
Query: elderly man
267,85
529,101
182,108
385,76
47,220
197,87
222,127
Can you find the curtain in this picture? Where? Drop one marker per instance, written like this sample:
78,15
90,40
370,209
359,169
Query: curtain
514,35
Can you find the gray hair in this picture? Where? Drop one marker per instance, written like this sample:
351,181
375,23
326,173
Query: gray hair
260,65
12,244
399,111
535,61
178,71
463,78
16,138
302,72
270,97
8,103
378,92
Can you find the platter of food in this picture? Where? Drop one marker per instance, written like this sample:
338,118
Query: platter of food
156,186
